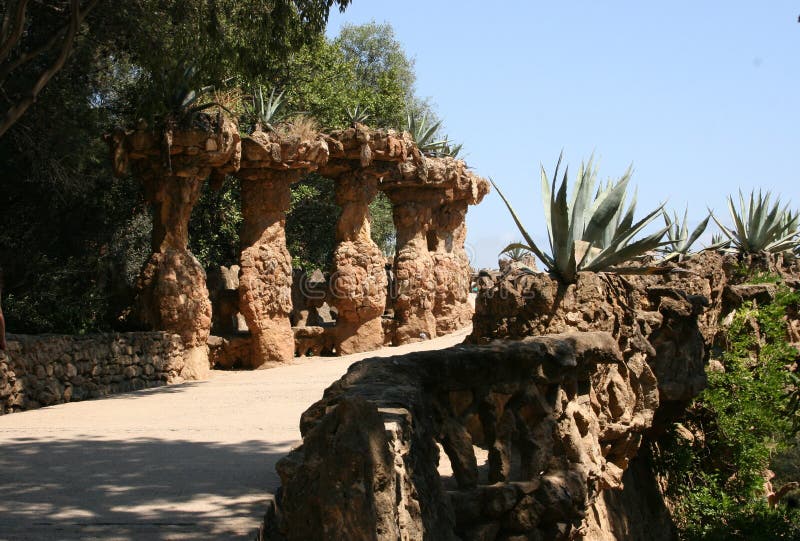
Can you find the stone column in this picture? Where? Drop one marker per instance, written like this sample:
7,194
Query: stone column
451,308
414,268
358,281
265,278
172,294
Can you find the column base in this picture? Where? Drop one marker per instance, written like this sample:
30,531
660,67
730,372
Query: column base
196,366
357,337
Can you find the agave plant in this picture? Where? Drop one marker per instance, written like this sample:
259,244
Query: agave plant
174,95
719,242
515,252
679,240
424,135
357,114
447,149
761,226
590,232
264,112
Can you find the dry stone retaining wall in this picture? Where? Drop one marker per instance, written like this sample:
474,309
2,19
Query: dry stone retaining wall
44,370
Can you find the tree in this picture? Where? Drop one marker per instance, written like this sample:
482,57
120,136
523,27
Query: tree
39,37
224,38
366,66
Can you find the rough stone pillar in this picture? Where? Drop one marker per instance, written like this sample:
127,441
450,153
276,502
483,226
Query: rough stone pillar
414,269
358,281
451,268
173,164
172,294
265,278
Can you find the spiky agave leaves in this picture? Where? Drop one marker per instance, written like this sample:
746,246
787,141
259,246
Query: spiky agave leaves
174,95
265,112
184,98
591,232
424,135
515,251
358,114
447,149
761,226
679,240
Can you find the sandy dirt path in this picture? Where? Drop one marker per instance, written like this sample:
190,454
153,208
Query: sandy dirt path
185,462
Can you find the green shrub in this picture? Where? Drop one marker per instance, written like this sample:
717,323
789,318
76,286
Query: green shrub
741,422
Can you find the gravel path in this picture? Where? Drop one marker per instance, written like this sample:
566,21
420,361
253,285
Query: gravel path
192,461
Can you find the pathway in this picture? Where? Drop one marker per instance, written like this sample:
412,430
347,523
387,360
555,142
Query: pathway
186,462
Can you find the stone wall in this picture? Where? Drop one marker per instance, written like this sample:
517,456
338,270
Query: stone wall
44,370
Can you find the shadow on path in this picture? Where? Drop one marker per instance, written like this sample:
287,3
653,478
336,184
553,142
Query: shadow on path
134,489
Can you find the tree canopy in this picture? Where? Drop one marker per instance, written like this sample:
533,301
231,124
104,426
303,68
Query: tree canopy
224,39
73,238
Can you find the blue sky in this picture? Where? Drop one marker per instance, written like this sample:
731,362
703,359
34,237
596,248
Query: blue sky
702,97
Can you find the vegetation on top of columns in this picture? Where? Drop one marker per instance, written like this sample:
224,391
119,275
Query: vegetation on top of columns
262,114
515,252
590,232
174,96
760,225
423,133
98,227
427,138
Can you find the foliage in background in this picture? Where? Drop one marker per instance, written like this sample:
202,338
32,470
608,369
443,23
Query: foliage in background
215,224
741,422
313,215
63,213
382,226
760,225
591,232
36,39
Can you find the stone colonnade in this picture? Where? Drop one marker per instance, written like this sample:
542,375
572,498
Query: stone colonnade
430,198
